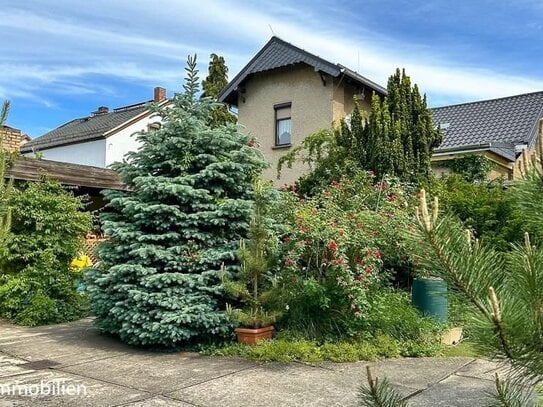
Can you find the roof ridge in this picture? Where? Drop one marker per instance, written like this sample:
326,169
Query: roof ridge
318,63
486,100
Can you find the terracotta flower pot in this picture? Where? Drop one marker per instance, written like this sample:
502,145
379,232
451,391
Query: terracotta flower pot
250,336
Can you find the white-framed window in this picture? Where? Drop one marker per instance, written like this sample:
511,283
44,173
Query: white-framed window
283,122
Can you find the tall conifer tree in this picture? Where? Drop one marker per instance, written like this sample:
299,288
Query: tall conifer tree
187,206
216,80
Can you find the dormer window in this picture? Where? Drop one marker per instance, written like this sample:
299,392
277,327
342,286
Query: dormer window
283,136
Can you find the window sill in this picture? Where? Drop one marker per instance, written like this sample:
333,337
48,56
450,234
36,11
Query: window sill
281,147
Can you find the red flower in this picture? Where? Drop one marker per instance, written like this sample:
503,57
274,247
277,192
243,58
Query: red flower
368,269
332,246
307,242
361,277
289,262
338,262
377,254
358,259
286,239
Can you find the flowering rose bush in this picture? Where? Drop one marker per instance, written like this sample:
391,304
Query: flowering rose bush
335,247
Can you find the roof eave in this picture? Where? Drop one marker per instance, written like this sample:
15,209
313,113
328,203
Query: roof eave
469,149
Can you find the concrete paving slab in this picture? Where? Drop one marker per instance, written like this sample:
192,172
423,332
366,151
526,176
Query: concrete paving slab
55,388
158,402
412,373
272,384
10,366
483,369
158,372
454,391
276,384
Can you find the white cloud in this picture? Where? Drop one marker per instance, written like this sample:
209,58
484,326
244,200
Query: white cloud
377,56
54,49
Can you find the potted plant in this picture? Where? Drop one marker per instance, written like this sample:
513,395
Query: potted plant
253,285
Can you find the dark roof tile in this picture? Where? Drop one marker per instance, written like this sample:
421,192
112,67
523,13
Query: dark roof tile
499,123
278,53
84,129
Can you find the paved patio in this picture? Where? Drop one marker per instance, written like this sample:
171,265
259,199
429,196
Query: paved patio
113,374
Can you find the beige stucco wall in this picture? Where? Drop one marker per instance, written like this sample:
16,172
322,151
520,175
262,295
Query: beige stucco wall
311,110
314,106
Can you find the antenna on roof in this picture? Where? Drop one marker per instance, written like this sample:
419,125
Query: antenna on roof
358,64
271,29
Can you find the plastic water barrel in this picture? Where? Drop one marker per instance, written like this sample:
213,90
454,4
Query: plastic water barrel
429,296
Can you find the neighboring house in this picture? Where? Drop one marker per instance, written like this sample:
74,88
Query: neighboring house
12,139
100,139
285,93
507,131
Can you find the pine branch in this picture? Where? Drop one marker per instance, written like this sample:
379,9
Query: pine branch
191,85
379,393
4,112
511,393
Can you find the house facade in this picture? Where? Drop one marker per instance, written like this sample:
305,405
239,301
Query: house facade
99,139
285,93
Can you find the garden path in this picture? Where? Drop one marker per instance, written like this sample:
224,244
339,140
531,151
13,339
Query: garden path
114,374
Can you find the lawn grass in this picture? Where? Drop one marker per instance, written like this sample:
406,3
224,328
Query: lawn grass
463,349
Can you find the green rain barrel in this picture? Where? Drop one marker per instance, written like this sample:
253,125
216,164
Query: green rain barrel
429,296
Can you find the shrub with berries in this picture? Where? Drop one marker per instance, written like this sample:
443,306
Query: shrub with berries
335,248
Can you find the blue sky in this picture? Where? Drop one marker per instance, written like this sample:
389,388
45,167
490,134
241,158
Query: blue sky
62,59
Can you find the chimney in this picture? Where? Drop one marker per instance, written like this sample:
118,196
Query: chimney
160,94
101,110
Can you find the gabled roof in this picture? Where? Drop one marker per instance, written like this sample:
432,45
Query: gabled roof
278,53
85,129
497,125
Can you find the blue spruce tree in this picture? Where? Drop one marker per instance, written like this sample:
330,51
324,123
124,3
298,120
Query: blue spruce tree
188,203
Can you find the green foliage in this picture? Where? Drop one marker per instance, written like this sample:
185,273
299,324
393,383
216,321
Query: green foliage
339,250
4,112
392,314
488,209
329,155
379,393
37,284
302,350
216,81
473,168
6,187
506,291
253,284
396,140
334,248
189,205
527,198
511,393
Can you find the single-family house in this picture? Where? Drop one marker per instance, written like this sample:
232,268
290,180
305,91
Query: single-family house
285,93
508,131
100,139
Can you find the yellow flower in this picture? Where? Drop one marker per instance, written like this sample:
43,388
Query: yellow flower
80,263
